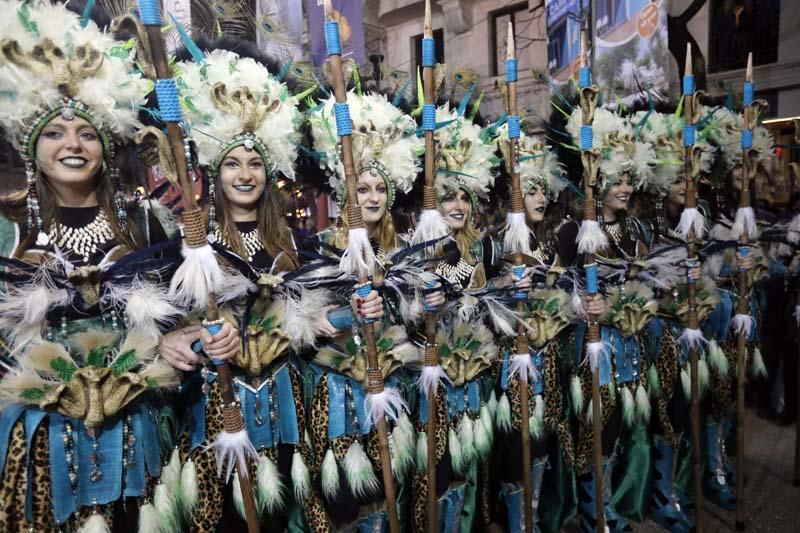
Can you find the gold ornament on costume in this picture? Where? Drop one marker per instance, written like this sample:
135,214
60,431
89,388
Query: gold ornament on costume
674,303
548,314
466,351
630,307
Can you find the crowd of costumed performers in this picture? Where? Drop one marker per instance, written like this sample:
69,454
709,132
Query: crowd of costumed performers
513,325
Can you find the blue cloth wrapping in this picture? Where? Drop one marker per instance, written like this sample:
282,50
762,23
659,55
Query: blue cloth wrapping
688,84
747,96
168,102
719,320
149,12
653,338
538,363
430,308
64,503
747,139
8,417
342,318
363,291
584,77
150,441
344,126
514,129
340,421
135,478
592,284
332,40
429,117
511,70
688,135
109,487
464,398
265,435
214,329
519,271
428,52
586,137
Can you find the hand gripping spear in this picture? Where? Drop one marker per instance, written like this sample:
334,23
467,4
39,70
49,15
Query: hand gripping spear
517,242
744,230
359,259
591,239
691,227
200,275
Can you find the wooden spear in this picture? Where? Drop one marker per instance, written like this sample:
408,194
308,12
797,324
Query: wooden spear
355,222
746,222
517,209
432,367
591,240
195,236
690,209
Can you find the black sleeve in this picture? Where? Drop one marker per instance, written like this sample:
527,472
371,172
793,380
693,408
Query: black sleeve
566,246
157,233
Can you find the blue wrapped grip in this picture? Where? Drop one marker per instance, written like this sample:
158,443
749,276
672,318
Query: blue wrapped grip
586,137
690,264
149,12
332,40
584,77
430,308
514,128
519,271
747,97
168,102
197,346
511,70
688,85
592,284
428,52
747,139
428,117
344,126
688,135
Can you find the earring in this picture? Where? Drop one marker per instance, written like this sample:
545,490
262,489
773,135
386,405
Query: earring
212,207
34,213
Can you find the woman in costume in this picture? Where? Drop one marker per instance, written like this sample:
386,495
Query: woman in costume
625,166
81,309
466,347
245,129
725,130
345,442
548,313
667,352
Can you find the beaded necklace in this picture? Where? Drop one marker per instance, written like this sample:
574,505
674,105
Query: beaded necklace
85,240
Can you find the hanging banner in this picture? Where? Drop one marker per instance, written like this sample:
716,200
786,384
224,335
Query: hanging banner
351,29
564,38
631,55
279,28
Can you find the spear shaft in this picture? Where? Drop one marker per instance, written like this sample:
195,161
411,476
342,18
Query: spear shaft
521,348
195,233
355,220
691,244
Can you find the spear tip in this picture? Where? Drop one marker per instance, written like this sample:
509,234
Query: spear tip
688,69
584,47
511,48
428,30
748,76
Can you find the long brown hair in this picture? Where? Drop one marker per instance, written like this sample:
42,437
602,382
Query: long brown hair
14,207
270,218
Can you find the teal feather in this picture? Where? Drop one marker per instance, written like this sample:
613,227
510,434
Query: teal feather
462,106
191,46
399,96
284,70
87,13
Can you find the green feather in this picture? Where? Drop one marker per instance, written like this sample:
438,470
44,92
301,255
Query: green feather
97,356
351,347
124,362
65,369
24,16
384,344
33,394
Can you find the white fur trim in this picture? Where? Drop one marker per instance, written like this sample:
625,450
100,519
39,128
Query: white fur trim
330,475
233,450
359,471
745,224
743,324
596,350
431,376
198,275
522,364
149,521
590,237
691,220
358,257
517,234
628,407
693,338
431,226
576,394
301,479
269,487
387,403
642,403
503,416
95,524
189,494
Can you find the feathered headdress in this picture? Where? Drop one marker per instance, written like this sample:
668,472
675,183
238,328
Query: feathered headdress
725,130
664,131
465,155
53,63
538,164
230,101
384,143
620,151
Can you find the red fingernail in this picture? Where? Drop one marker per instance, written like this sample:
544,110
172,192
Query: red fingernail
359,301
